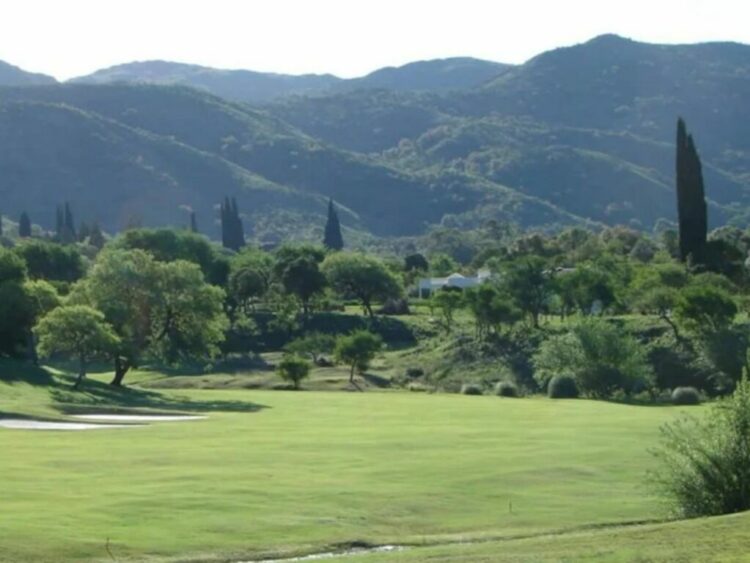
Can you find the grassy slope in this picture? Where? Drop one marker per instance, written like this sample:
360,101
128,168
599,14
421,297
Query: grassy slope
280,472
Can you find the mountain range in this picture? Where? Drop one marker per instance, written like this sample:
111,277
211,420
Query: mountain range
577,135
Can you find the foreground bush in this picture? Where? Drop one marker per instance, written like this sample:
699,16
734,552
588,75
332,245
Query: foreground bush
705,463
471,389
686,396
562,387
506,389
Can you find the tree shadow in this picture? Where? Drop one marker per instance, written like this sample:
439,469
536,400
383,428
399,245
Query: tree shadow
94,395
17,371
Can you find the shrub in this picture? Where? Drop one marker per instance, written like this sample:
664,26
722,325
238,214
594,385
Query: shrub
471,389
506,389
562,387
294,369
704,462
686,396
414,373
600,355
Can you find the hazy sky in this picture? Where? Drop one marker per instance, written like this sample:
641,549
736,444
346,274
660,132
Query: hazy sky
68,38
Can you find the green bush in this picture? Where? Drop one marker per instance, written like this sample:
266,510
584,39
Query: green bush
704,461
506,389
471,389
686,396
293,369
562,387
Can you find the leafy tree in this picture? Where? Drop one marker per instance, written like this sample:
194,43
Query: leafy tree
442,265
96,238
704,309
332,238
49,261
42,298
530,284
168,245
294,369
78,331
314,344
600,357
361,276
297,269
416,262
357,350
24,226
691,201
705,463
163,310
447,301
586,286
16,310
491,309
250,273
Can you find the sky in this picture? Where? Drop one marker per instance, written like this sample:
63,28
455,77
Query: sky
67,38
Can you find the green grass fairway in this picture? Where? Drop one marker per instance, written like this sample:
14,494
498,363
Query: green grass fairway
713,539
275,472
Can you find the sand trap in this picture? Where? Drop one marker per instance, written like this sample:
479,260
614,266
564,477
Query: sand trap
334,554
25,424
138,417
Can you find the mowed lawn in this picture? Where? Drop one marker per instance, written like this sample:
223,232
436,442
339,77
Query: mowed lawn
309,470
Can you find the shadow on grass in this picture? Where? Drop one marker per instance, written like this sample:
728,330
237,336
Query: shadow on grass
94,395
16,371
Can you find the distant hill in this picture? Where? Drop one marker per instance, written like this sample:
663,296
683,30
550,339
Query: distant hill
578,135
237,85
260,87
438,75
13,76
149,152
588,128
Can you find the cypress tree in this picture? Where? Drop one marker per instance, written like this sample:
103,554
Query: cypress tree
232,230
59,222
692,214
332,238
96,238
238,229
193,223
1,224
24,226
70,225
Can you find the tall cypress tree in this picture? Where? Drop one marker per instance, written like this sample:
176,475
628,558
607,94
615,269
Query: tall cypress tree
692,214
332,238
232,230
193,222
238,229
70,224
59,222
24,225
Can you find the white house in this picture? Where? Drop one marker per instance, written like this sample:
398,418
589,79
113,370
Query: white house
428,285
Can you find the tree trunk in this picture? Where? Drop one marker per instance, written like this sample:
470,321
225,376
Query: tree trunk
351,375
81,371
31,343
121,368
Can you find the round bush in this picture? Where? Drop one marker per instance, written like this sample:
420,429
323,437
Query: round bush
562,387
506,389
686,396
471,389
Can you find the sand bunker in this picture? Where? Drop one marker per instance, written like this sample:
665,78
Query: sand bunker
95,424
25,424
138,417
